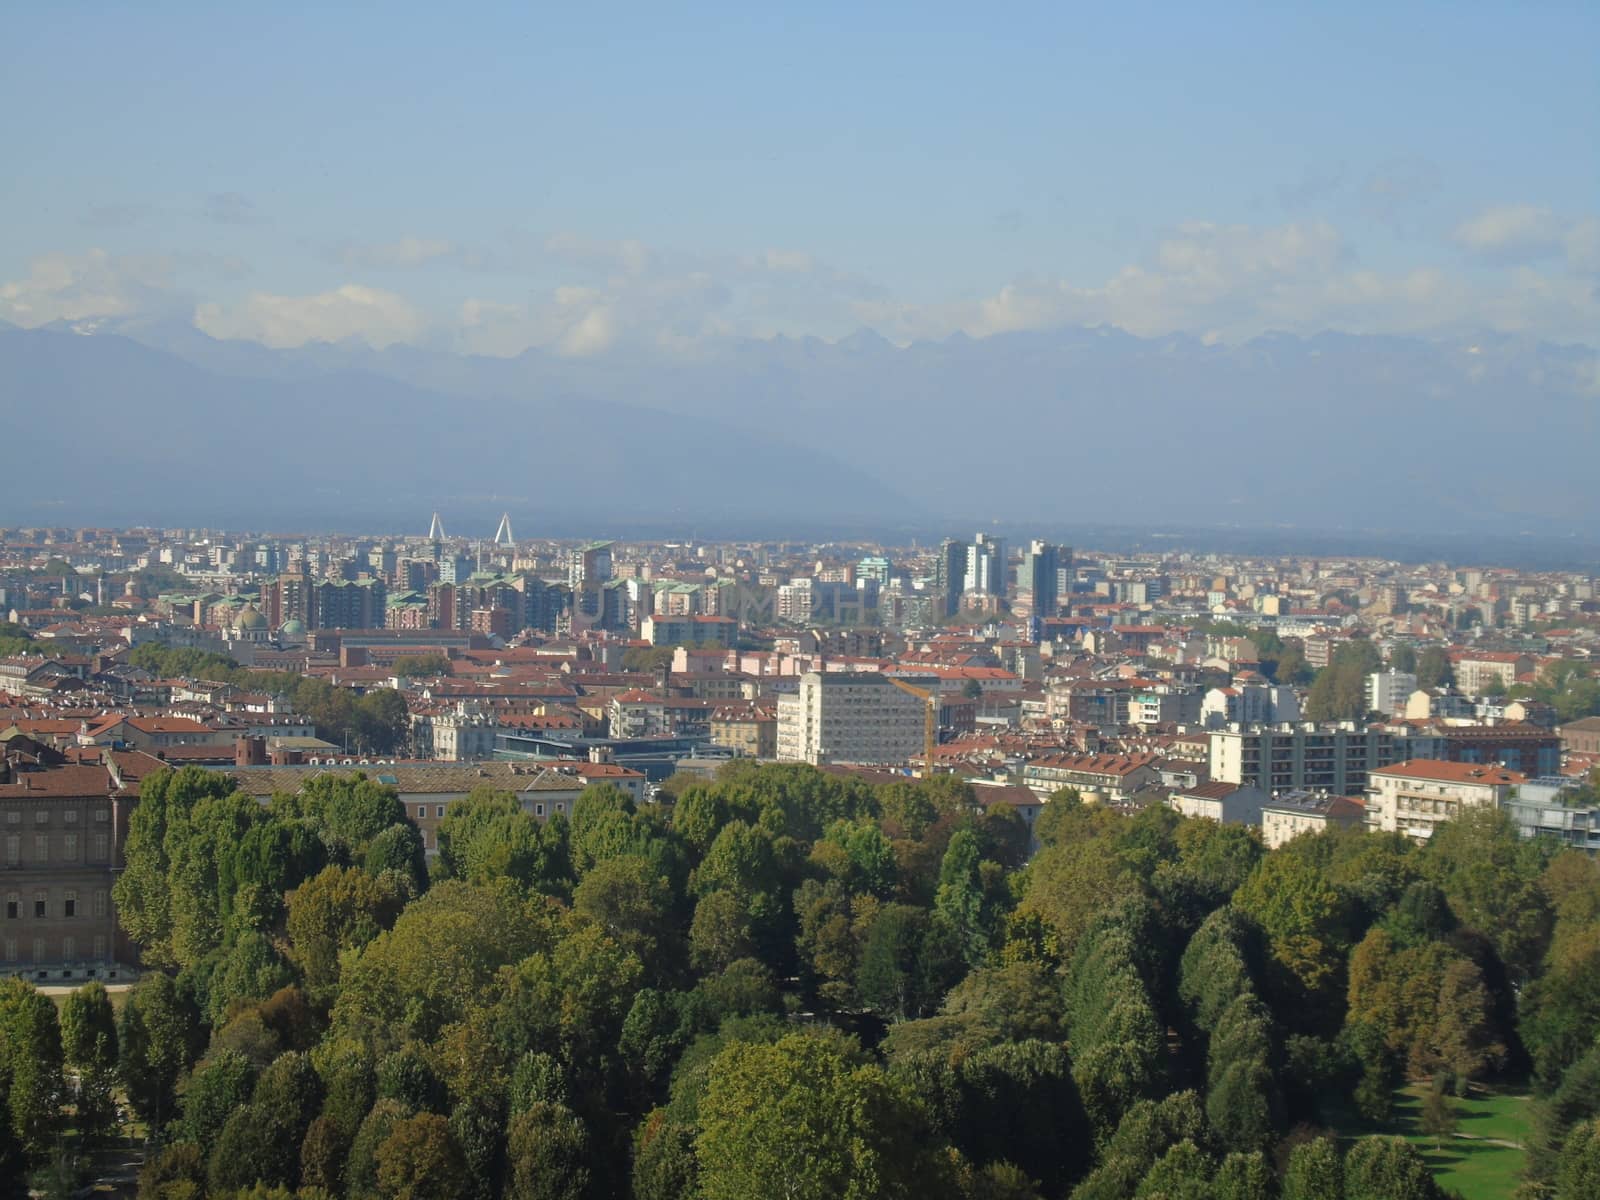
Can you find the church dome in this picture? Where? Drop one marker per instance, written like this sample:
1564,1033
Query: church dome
250,618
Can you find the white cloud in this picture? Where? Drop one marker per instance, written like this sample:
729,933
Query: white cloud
789,261
75,287
371,315
627,255
576,296
1234,282
1514,232
1527,233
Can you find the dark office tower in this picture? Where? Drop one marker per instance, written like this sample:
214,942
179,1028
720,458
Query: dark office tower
949,575
1040,578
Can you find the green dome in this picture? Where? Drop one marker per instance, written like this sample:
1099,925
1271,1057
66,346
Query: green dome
250,618
294,627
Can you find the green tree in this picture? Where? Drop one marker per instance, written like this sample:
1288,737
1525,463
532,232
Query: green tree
1014,1102
250,970
570,1000
144,890
1465,1040
220,1086
421,666
361,1170
634,904
1578,1176
250,1150
1183,1173
1244,1177
438,961
1403,657
349,810
1434,669
398,851
1145,1133
1387,1168
89,1046
173,1172
664,1165
721,932
419,1160
547,1155
407,1077
287,1096
378,721
892,978
1338,693
1307,921
89,1028
1068,884
538,1079
796,1120
31,1065
478,1125
487,836
1491,877
158,1039
1438,1118
338,911
323,1154
1315,1172
1013,1002
959,901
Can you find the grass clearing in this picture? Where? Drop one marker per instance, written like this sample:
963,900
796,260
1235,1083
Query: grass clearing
1484,1160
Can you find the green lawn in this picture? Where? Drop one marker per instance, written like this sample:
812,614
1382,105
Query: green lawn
1470,1163
118,993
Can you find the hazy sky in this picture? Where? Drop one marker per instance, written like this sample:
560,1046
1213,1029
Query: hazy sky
588,178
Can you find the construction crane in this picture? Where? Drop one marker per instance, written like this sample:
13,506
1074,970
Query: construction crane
930,720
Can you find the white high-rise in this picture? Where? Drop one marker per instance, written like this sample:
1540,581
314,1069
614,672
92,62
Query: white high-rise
1388,691
849,717
986,565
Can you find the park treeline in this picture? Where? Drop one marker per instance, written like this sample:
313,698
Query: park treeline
793,983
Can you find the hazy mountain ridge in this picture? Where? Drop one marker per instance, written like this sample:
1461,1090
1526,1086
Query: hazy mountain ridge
118,432
1329,431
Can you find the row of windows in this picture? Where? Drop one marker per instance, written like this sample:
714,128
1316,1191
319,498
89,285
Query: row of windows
41,816
439,811
41,904
69,949
100,847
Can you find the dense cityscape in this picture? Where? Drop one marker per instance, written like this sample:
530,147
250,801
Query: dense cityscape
732,601
452,866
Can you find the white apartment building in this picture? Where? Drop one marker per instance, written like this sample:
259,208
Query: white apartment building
1415,797
1289,815
986,565
466,733
1389,691
849,717
794,601
1249,699
1224,803
1334,758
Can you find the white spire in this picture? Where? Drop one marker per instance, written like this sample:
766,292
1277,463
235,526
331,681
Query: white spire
436,530
502,536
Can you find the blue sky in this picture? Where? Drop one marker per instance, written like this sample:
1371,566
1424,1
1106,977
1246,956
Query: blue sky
493,176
